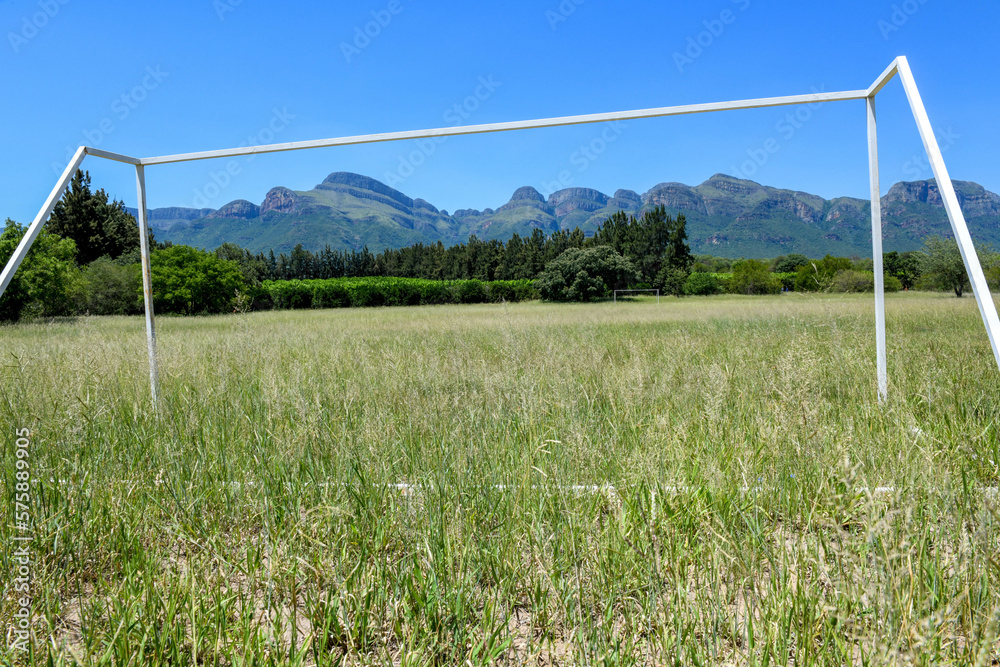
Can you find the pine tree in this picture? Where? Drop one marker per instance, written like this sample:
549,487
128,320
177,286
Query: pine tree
99,227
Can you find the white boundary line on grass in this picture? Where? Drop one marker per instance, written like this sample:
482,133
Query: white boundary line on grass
406,488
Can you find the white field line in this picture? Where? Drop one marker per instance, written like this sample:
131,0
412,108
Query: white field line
408,489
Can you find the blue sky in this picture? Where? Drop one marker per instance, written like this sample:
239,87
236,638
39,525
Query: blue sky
158,78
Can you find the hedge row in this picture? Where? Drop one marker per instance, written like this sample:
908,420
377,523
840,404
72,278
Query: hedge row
848,280
379,291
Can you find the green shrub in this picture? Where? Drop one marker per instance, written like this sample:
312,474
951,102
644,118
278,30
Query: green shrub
403,293
469,291
501,291
584,275
433,292
329,294
788,263
818,274
702,284
289,294
187,280
366,294
787,279
45,284
853,281
385,291
112,289
753,277
524,290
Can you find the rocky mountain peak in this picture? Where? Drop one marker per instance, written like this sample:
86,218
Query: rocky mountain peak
426,205
628,196
346,179
585,194
527,193
974,199
280,200
240,209
675,196
925,192
733,185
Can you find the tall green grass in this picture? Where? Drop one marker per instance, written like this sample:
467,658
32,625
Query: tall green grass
413,486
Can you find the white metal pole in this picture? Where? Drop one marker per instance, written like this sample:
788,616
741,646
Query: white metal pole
36,226
883,375
980,287
147,280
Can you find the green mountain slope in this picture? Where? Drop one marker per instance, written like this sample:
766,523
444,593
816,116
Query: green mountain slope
726,216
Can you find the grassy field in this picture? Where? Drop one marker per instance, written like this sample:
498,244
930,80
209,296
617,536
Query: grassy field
702,482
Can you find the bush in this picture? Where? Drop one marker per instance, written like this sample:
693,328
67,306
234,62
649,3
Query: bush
328,294
501,291
384,291
808,279
753,277
45,283
469,291
943,266
524,290
434,292
819,274
112,289
789,263
291,294
853,281
367,293
584,275
403,293
862,281
702,284
187,280
787,280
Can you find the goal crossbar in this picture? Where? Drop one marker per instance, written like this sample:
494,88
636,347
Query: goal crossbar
899,67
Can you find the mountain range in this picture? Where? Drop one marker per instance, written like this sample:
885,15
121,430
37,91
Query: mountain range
727,216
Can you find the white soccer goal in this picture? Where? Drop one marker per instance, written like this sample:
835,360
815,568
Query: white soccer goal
629,291
899,67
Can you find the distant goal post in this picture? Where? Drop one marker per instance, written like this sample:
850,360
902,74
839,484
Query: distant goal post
623,291
899,67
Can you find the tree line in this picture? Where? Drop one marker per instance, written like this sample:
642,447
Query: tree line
652,242
86,260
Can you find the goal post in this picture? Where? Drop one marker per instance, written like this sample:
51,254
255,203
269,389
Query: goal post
620,291
899,67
